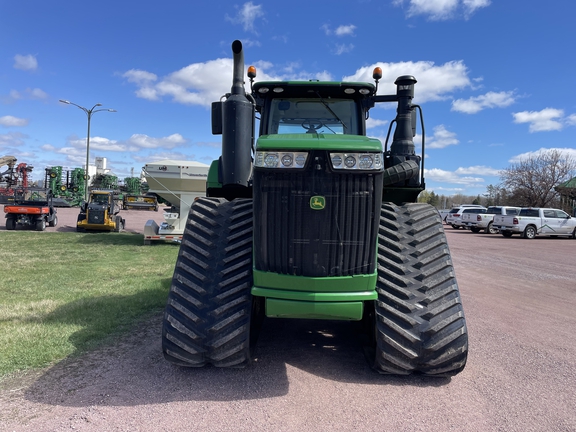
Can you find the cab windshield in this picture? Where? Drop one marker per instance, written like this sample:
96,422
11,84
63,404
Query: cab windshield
100,199
313,116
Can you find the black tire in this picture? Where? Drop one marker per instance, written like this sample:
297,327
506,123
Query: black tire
506,233
81,217
10,224
41,225
455,226
118,224
53,222
211,316
475,230
529,232
490,229
573,234
419,320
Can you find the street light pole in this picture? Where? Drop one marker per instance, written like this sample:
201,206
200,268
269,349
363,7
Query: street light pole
89,113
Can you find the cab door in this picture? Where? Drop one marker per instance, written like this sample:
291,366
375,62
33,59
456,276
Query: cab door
551,224
563,222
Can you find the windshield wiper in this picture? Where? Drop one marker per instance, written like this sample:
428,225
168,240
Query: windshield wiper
331,111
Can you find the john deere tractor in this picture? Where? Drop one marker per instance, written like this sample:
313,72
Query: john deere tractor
315,220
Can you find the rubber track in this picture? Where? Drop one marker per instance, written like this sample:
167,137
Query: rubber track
419,317
207,316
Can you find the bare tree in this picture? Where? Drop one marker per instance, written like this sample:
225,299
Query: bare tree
531,181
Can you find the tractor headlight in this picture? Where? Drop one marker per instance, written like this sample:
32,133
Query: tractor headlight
357,161
280,159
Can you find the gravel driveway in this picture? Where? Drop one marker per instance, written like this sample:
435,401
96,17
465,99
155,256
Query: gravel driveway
519,298
68,216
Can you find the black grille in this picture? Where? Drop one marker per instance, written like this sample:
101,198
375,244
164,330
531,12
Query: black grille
96,216
292,238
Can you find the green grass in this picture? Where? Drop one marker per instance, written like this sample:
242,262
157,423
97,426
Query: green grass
62,294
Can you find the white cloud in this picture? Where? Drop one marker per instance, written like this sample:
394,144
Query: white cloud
159,156
29,93
139,77
571,120
204,83
523,156
12,139
343,48
345,30
25,62
438,10
470,6
441,138
488,100
135,143
478,170
372,123
36,93
144,141
443,176
548,119
11,121
434,82
247,15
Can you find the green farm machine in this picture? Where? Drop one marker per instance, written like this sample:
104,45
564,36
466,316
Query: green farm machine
133,197
65,185
315,220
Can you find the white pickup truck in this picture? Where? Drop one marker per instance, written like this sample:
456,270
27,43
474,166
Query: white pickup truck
531,222
484,221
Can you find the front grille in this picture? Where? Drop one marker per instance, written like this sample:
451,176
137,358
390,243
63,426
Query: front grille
96,216
292,238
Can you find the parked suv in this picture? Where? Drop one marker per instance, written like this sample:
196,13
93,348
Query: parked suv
454,218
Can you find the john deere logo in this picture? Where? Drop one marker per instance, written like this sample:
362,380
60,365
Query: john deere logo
317,202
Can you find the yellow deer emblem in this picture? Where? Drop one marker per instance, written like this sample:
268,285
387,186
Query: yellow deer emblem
317,202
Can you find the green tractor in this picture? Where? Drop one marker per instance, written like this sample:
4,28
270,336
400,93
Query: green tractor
315,221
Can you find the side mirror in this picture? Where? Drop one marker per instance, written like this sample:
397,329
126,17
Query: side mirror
216,118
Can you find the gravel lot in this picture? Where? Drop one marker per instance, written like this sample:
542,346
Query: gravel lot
519,298
67,217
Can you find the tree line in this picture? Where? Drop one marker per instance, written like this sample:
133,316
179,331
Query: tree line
531,182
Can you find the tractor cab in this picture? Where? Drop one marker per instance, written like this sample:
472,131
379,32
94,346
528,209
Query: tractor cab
312,107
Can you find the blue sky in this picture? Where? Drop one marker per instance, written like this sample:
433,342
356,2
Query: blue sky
495,77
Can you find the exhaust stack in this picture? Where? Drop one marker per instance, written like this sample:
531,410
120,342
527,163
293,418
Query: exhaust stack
237,127
402,148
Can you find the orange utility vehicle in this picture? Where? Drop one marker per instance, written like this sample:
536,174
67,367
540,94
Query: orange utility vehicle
32,207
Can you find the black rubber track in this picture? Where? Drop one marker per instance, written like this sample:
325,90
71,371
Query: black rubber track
208,315
420,324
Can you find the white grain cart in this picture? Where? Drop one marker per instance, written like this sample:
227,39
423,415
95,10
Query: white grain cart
179,183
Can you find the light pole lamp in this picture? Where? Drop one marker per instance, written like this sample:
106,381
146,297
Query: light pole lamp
89,113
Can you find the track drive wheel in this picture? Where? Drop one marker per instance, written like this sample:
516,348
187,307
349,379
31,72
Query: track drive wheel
211,317
419,320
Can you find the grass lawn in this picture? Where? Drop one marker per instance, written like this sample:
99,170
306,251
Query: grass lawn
64,293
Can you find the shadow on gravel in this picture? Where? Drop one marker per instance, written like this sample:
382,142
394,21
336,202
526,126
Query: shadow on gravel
134,372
